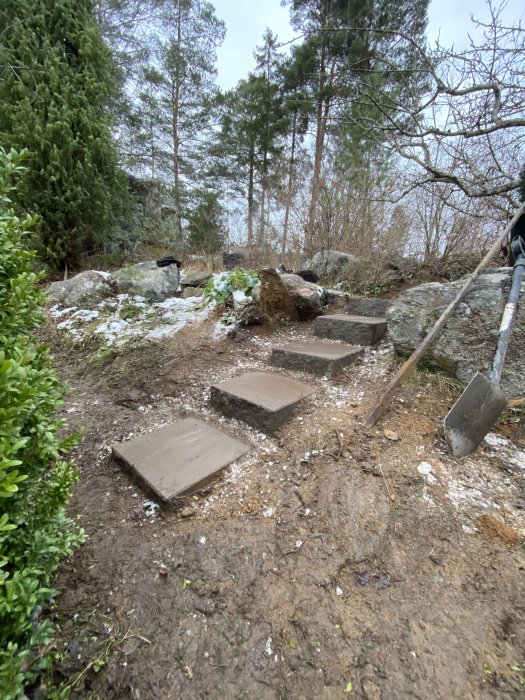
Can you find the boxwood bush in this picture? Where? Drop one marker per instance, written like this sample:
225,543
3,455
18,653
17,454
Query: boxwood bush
35,480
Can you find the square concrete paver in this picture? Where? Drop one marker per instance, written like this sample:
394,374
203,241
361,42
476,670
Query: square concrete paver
316,356
261,399
175,459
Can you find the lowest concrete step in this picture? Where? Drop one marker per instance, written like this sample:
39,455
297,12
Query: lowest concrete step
316,356
262,399
178,458
358,330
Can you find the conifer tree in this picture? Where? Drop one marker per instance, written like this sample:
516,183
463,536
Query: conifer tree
179,84
337,64
56,81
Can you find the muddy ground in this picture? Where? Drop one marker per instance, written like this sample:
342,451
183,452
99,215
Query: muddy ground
323,564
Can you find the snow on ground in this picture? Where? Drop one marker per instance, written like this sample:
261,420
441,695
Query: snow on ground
125,317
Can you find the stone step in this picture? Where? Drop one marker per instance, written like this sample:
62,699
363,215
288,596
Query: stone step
262,399
179,458
316,356
358,330
364,306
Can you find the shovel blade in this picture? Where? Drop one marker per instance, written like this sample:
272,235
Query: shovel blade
473,415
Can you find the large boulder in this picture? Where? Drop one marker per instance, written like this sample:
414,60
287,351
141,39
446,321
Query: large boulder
287,296
305,296
468,342
333,265
81,288
195,279
148,280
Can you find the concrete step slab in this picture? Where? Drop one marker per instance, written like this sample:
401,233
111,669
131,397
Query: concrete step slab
365,306
319,357
179,458
262,399
358,330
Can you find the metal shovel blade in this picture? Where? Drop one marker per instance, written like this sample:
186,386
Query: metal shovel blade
473,415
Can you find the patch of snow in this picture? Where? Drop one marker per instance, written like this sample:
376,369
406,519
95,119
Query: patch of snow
85,315
424,468
58,313
150,508
240,299
518,459
111,330
268,648
66,325
496,440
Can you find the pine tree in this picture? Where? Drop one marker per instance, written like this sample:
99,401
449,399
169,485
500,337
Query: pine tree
180,83
338,66
57,80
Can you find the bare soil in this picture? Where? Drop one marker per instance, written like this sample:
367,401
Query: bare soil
321,565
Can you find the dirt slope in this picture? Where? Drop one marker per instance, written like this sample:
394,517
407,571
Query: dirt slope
323,564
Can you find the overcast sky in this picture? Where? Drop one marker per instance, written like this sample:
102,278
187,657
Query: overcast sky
246,21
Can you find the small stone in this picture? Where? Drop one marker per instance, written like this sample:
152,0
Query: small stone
370,690
186,512
205,606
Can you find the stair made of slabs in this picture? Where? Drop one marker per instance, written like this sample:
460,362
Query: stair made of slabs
180,458
264,400
357,330
319,357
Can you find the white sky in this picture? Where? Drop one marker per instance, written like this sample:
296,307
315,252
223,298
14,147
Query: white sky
246,21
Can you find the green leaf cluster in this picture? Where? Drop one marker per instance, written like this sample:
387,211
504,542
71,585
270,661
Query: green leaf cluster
35,480
221,287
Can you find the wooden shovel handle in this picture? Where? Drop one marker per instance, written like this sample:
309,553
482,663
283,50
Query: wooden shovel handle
381,404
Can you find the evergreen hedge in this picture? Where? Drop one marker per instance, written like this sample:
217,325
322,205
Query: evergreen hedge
56,85
35,480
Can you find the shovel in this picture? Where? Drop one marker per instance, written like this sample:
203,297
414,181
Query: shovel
479,406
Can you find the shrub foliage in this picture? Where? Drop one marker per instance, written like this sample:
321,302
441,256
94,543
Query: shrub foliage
35,480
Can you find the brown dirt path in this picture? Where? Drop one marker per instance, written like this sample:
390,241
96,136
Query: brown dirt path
321,565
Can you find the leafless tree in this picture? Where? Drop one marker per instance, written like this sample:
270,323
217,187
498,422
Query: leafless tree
467,129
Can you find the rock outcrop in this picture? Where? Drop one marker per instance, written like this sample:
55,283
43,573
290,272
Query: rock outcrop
468,342
333,265
81,288
147,280
286,296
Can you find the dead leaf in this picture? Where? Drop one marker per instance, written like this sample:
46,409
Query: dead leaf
187,671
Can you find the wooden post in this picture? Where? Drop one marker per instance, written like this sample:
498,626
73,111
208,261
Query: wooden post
408,367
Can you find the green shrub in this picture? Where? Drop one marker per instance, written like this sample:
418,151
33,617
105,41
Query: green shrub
221,286
35,481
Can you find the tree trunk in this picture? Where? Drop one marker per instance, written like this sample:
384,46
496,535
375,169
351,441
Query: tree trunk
289,193
175,129
323,109
250,196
